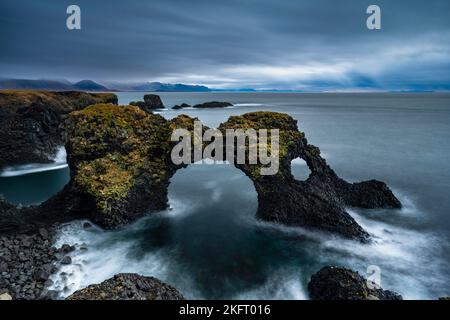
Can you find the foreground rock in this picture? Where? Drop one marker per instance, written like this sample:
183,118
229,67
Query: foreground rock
128,286
30,130
151,102
334,283
213,104
26,263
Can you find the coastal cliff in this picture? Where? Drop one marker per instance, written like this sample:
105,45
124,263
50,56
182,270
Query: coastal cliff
30,122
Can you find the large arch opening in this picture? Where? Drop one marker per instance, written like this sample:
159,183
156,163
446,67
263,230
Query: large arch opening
212,231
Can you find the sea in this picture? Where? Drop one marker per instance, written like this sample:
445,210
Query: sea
208,243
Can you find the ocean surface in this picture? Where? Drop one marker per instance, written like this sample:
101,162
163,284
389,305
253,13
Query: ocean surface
209,244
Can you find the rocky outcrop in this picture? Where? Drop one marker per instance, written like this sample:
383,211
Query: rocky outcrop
151,102
30,130
119,159
320,201
213,104
334,283
128,286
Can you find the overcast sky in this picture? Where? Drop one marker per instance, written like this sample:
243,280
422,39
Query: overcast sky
280,44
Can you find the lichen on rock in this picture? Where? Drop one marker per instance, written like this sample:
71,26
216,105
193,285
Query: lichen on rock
118,155
120,164
320,201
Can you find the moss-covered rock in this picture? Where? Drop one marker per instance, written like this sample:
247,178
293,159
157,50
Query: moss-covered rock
283,199
120,157
120,163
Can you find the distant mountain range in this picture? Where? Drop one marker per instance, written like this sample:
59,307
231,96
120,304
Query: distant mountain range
92,86
89,85
162,87
43,84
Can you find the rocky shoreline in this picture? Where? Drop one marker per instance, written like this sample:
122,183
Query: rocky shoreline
120,169
27,261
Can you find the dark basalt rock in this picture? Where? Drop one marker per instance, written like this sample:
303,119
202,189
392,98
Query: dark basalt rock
320,201
30,130
128,286
151,102
213,104
120,172
181,106
26,263
334,283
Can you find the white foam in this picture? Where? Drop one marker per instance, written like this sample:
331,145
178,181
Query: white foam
283,284
408,261
59,162
103,259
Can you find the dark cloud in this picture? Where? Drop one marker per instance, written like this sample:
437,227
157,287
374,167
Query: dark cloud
245,43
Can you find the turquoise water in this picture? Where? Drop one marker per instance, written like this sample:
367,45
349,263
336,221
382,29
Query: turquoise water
209,245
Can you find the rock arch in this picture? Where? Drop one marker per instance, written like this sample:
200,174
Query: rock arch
119,159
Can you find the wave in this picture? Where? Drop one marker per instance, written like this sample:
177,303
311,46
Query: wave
283,284
97,257
59,162
403,255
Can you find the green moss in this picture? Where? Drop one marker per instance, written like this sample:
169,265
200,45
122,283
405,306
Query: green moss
61,102
289,136
110,146
113,146
106,179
